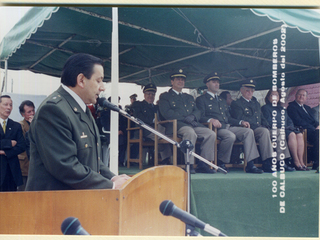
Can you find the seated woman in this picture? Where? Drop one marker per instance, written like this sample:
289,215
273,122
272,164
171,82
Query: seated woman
293,136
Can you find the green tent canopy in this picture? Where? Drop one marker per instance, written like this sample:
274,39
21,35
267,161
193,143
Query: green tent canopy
236,43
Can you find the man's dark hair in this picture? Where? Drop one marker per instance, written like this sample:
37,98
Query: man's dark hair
4,96
76,64
25,103
224,94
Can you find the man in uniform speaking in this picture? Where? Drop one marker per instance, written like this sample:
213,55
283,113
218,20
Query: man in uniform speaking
65,149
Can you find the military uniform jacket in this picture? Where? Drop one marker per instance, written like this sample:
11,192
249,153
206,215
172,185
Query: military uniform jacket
250,111
145,112
10,160
65,147
173,106
211,107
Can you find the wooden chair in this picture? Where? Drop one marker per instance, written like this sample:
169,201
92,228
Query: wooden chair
149,143
158,141
140,141
307,146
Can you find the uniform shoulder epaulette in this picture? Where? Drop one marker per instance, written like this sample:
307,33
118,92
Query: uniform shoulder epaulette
54,99
163,94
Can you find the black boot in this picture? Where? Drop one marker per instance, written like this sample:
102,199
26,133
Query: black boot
289,162
204,168
192,171
285,166
267,166
222,165
315,165
251,168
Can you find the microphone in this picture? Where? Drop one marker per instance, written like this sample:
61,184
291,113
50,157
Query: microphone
168,208
72,226
105,103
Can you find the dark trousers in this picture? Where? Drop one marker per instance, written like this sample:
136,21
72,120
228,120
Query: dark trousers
313,138
122,148
8,184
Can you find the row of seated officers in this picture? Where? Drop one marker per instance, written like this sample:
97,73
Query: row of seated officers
65,146
243,121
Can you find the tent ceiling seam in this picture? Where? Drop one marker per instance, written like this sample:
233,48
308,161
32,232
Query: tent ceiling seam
137,27
53,50
71,52
270,75
154,75
264,59
249,38
180,13
48,46
167,63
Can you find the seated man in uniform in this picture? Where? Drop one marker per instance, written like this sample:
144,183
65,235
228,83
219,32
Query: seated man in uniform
215,110
181,106
145,110
247,111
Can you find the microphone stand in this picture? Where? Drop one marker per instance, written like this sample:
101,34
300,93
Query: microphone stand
185,146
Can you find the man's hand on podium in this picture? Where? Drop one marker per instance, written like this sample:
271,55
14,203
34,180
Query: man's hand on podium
119,180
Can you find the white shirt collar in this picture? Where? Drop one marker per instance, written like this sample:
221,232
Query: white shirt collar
75,97
246,99
212,94
1,121
299,104
176,91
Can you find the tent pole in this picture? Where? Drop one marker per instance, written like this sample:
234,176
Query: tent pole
319,46
5,74
114,137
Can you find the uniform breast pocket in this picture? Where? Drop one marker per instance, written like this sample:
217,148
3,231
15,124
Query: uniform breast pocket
173,104
190,104
84,148
248,112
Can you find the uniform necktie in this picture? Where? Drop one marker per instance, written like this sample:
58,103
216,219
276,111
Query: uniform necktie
91,119
4,126
89,114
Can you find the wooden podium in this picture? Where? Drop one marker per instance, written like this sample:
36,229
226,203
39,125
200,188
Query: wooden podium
132,210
